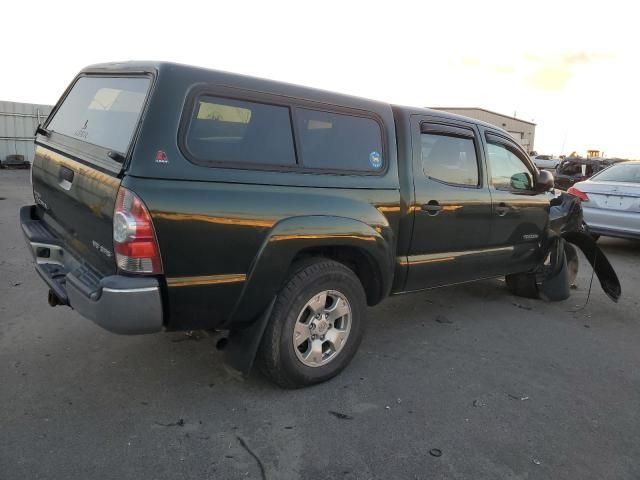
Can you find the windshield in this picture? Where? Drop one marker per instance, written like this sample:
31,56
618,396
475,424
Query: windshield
102,111
629,173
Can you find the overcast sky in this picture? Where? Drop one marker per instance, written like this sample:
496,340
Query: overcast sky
571,67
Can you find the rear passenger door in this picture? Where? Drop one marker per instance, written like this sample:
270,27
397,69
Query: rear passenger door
520,214
452,206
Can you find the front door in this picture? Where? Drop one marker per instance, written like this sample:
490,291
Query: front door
520,213
452,207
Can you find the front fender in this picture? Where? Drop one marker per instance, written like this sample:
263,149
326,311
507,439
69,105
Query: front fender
566,222
293,235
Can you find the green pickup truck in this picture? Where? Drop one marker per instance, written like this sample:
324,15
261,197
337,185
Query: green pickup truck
169,197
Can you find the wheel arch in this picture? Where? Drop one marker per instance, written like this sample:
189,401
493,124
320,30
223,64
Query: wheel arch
366,250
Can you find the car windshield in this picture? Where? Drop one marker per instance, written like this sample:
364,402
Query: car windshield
629,172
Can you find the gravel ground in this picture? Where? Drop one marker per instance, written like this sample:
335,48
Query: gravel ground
502,387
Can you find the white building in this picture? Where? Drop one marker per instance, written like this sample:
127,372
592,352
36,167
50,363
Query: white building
18,122
524,132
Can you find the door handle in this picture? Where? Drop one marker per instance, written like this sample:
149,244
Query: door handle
432,207
65,177
502,209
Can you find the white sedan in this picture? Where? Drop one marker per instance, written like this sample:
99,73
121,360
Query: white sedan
611,200
546,161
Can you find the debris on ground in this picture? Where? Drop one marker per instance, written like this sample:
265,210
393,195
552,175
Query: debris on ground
179,423
263,473
479,403
518,397
536,461
443,320
523,307
435,452
341,416
195,335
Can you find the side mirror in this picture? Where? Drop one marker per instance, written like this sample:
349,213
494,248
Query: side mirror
544,182
520,181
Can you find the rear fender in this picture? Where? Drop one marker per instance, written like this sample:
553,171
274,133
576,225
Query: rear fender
293,235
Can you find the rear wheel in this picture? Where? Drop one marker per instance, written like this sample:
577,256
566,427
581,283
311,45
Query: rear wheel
316,325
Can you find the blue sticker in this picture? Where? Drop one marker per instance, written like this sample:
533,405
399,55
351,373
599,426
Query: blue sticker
375,159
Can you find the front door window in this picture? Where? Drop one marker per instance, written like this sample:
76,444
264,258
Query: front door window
507,170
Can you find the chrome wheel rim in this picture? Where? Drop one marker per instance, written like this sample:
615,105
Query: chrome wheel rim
322,328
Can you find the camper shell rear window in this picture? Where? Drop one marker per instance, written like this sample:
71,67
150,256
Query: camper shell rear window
102,111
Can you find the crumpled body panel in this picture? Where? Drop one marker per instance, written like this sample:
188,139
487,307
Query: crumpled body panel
553,279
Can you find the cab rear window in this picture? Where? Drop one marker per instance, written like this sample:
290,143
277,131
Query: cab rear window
102,111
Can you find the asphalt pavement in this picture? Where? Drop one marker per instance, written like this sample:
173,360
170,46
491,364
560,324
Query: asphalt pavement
466,382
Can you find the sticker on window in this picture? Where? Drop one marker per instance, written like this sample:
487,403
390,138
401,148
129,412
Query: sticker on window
375,160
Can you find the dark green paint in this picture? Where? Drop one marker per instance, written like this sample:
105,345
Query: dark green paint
214,221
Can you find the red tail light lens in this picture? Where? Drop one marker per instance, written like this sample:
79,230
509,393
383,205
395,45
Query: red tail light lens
134,238
577,193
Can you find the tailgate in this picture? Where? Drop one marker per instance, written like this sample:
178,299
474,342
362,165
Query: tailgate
78,162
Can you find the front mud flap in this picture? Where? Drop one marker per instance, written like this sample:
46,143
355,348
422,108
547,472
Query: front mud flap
604,271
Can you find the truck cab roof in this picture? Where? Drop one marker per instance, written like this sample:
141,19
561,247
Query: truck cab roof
279,88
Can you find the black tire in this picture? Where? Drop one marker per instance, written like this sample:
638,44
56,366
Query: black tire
276,356
523,285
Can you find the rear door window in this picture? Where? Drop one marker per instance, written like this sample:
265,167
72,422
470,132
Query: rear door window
224,130
450,159
335,141
102,111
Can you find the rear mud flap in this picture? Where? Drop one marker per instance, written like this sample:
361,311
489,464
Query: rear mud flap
240,353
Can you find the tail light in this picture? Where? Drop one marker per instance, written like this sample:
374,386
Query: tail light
578,193
134,238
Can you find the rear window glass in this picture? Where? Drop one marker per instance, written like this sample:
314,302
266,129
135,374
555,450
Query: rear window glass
449,159
102,111
629,172
336,141
236,131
